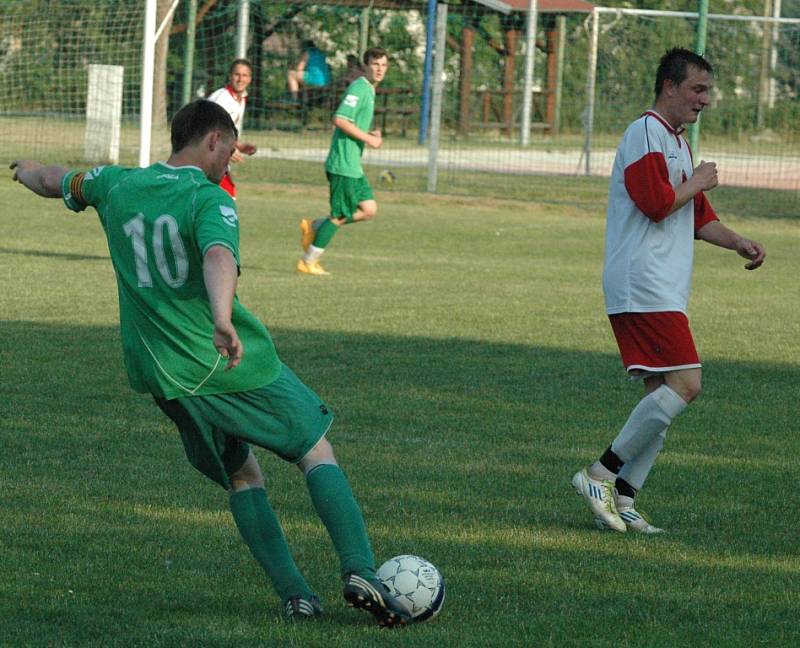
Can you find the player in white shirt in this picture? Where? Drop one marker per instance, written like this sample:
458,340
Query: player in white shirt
656,208
233,97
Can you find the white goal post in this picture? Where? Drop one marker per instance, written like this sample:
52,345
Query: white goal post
103,114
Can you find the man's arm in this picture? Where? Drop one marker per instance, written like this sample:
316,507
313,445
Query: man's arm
717,234
245,147
373,138
704,178
220,276
242,147
42,180
301,64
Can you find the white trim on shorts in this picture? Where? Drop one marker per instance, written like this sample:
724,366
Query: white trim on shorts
643,372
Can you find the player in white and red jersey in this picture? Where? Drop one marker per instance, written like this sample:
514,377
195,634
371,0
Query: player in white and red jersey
656,208
233,97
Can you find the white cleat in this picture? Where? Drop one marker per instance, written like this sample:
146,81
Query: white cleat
635,521
599,495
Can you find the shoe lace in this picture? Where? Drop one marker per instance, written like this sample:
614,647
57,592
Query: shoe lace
608,496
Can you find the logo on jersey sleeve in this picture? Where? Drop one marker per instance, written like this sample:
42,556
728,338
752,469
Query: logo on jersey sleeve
91,175
229,216
351,101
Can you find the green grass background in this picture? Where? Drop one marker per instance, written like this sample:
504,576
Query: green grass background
463,344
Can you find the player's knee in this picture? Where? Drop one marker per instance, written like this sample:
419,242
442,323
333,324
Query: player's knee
693,390
322,453
248,476
368,210
688,390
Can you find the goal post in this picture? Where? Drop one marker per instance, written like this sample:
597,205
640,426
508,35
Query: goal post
103,114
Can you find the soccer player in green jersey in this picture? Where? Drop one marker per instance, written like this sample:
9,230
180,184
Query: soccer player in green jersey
351,197
211,366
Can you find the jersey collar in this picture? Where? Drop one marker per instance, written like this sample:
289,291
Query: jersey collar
372,87
233,94
185,166
653,113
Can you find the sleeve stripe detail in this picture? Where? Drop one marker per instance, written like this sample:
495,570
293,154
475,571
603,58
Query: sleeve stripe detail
703,212
224,244
648,185
76,188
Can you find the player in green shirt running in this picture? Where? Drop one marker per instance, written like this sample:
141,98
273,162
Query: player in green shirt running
173,237
351,197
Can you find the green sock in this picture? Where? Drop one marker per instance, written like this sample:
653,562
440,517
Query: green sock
325,233
337,508
263,534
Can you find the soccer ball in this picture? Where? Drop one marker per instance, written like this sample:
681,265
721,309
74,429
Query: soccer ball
417,584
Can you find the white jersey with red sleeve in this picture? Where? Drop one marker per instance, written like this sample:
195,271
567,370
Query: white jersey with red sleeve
648,251
226,97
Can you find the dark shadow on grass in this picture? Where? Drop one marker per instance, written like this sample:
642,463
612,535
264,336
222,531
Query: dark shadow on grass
504,414
69,256
452,446
55,255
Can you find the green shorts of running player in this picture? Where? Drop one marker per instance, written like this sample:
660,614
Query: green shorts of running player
346,193
284,417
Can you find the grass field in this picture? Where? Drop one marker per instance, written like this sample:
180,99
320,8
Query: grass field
463,344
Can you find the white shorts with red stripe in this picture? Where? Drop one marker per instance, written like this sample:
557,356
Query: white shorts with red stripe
654,342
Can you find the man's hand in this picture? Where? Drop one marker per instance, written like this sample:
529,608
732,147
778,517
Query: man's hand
750,250
228,344
705,174
243,148
42,180
21,167
23,170
375,139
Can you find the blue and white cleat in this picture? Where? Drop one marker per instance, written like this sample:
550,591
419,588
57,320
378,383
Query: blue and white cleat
599,496
299,608
371,595
634,520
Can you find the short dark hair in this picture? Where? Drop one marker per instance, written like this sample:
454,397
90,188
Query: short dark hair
241,61
374,53
673,66
195,120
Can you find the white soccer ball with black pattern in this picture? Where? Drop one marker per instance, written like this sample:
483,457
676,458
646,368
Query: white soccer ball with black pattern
417,584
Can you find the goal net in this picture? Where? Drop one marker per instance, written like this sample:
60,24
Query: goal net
71,74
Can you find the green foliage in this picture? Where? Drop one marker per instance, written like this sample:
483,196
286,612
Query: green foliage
48,46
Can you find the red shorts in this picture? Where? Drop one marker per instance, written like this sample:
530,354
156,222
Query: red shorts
657,342
227,184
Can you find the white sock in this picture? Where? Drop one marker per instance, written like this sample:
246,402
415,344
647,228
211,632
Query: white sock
648,419
623,501
599,472
636,470
312,254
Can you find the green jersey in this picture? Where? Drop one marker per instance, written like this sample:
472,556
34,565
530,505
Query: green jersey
159,223
358,106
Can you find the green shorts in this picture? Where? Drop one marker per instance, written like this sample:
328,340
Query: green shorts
284,417
346,193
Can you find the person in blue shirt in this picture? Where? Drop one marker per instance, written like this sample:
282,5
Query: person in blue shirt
312,70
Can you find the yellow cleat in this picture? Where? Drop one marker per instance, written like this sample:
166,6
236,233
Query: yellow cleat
311,268
306,233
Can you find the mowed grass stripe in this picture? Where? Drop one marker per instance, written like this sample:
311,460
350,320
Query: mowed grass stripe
463,345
